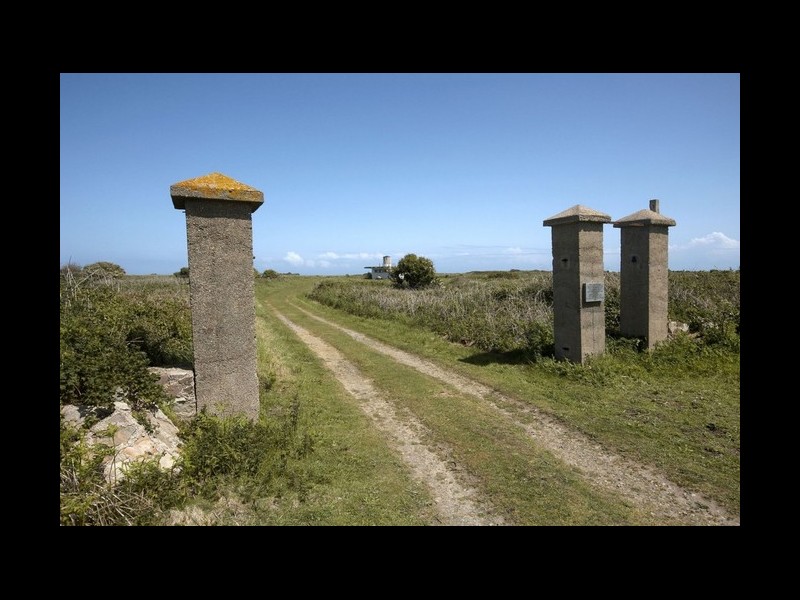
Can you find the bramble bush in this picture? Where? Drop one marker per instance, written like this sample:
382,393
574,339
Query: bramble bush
110,335
97,362
162,330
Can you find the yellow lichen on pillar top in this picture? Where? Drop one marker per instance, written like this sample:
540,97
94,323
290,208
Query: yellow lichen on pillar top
215,186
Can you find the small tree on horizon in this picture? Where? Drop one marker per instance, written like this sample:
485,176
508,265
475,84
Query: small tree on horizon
414,272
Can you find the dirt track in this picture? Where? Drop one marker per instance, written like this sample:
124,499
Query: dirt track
454,499
643,486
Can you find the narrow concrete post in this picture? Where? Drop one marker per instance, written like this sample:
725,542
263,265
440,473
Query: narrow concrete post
644,283
579,321
220,241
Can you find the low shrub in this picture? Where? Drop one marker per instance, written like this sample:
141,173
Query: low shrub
249,455
98,365
270,274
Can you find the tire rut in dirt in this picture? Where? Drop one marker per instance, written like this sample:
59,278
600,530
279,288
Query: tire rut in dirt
456,502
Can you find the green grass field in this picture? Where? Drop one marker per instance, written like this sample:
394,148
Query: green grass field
675,408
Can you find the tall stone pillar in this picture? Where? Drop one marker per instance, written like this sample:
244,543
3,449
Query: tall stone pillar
220,240
644,285
579,321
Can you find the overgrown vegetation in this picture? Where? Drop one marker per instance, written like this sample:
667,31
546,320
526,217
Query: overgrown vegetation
513,311
497,315
243,456
231,455
112,329
709,301
111,332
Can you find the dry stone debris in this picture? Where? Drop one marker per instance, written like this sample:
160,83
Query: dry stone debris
130,439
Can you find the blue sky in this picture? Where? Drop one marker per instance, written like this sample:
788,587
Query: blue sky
461,168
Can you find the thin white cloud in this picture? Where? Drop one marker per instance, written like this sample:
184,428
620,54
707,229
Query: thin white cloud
713,241
350,256
492,251
328,260
294,258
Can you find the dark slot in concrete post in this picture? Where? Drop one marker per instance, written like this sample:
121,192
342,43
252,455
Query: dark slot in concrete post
579,322
220,241
644,284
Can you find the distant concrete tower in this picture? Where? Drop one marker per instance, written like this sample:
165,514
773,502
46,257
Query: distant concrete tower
644,274
220,240
387,262
579,321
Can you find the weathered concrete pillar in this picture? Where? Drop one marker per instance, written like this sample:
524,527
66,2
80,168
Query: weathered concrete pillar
579,321
220,240
644,285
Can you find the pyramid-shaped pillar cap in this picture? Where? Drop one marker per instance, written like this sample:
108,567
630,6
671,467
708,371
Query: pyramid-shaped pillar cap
577,214
643,218
215,186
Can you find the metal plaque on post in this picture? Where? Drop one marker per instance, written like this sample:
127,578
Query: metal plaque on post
593,292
